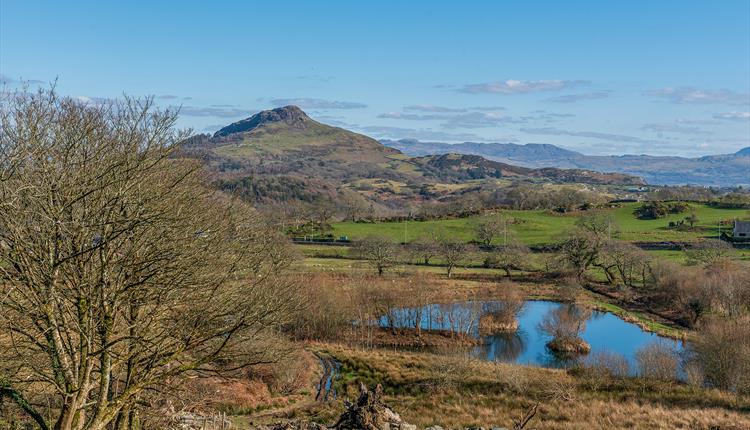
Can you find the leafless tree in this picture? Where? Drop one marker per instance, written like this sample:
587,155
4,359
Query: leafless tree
120,271
657,360
490,228
321,213
565,323
513,255
453,253
380,251
682,289
692,218
600,224
580,251
722,352
423,249
355,206
625,261
709,251
728,284
502,312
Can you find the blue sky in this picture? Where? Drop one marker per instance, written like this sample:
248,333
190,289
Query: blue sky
601,77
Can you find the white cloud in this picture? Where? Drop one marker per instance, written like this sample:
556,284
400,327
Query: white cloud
661,128
734,116
692,95
311,103
225,111
573,98
382,132
512,86
94,101
552,131
433,108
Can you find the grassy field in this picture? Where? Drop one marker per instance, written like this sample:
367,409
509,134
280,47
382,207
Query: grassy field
539,227
329,258
428,389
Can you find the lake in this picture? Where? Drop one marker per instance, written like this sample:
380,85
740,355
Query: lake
605,332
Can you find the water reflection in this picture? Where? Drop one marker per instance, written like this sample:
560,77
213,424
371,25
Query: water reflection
605,332
507,346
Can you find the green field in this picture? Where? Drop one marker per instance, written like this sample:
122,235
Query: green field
540,227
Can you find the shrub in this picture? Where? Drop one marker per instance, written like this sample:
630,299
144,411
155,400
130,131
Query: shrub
656,210
658,360
607,364
722,353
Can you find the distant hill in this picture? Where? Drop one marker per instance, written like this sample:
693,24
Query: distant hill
712,170
284,154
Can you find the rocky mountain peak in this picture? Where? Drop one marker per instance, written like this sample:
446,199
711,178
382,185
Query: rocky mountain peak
290,115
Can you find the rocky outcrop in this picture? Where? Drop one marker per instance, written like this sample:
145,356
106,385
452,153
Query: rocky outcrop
290,115
370,413
367,413
296,425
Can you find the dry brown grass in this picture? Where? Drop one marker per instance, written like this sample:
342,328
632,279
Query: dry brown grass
429,389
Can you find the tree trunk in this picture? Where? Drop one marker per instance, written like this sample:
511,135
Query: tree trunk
24,405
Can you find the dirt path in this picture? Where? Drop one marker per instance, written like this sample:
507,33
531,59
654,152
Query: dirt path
325,388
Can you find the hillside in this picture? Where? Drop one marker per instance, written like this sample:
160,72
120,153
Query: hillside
713,170
283,154
458,167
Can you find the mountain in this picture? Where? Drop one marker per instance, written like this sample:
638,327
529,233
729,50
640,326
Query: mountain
713,170
461,167
284,154
510,151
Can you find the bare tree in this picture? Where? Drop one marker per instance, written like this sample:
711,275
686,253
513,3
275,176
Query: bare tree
501,314
321,213
681,288
490,228
511,256
722,353
600,224
657,360
580,250
625,261
453,253
424,249
709,251
636,265
355,206
728,284
380,251
121,272
564,325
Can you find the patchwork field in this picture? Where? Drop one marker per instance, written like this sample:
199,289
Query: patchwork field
539,227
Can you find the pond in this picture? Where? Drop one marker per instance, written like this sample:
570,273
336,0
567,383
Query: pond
604,331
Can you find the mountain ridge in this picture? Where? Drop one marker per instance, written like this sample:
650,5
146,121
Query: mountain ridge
711,170
283,154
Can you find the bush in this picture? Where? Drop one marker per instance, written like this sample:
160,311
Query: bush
658,360
656,210
607,364
722,354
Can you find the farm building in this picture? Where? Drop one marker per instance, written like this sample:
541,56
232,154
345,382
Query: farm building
741,230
